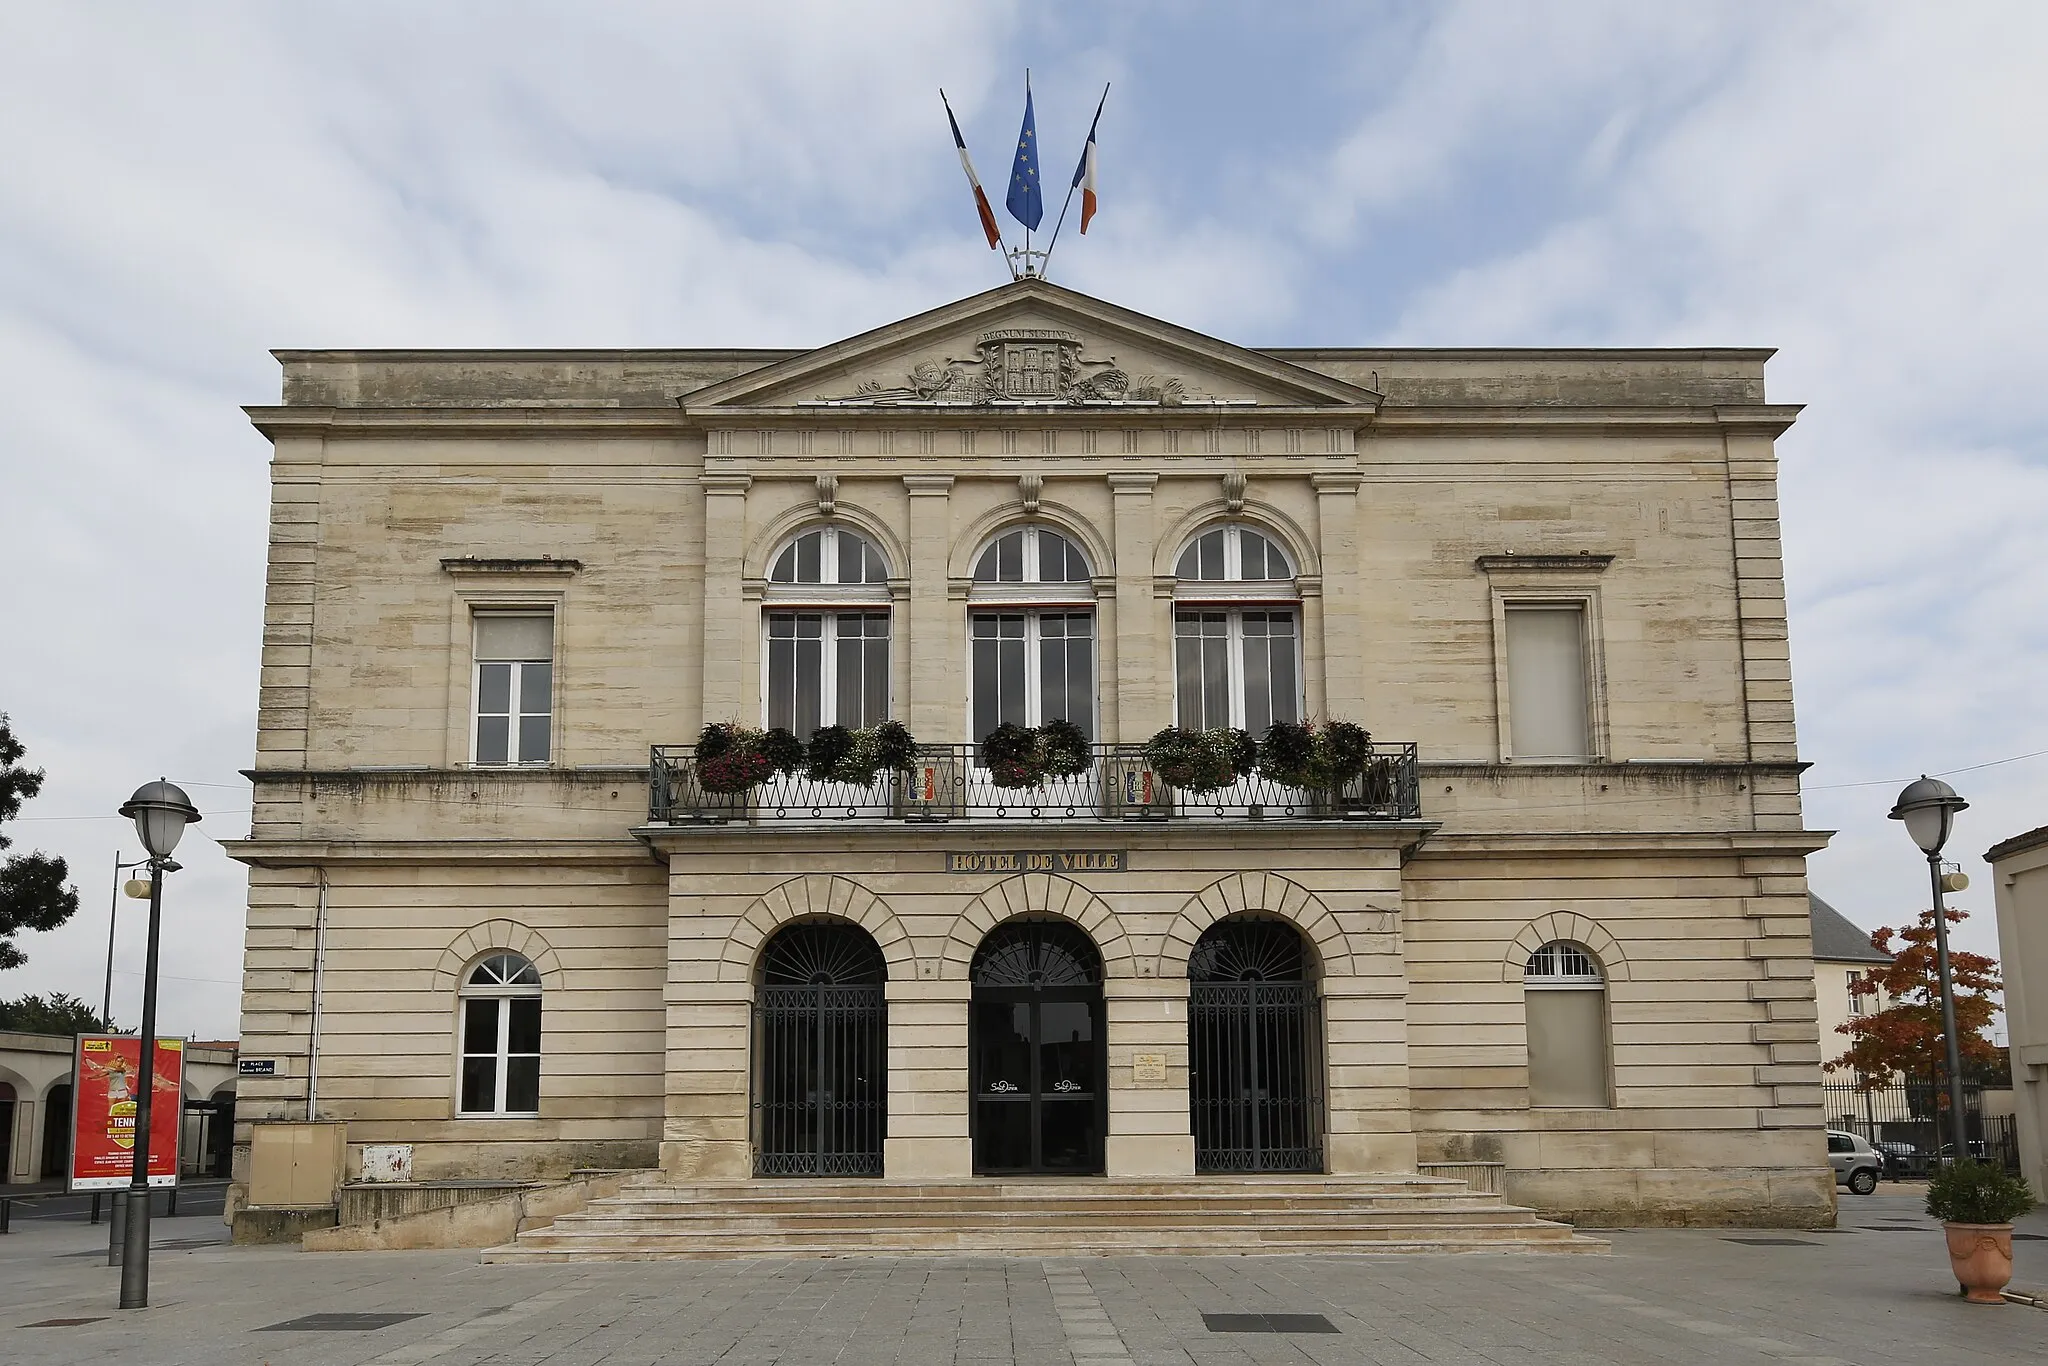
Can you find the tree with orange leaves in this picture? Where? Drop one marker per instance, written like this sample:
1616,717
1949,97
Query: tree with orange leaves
1905,1037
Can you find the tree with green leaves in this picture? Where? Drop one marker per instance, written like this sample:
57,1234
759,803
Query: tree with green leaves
1904,1038
33,895
58,1014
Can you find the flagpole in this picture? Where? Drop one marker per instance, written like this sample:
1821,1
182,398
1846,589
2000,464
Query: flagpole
1075,184
980,199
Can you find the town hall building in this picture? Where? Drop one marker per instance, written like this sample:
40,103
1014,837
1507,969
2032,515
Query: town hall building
1035,740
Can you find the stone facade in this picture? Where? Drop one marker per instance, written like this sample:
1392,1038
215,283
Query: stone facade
638,498
2019,880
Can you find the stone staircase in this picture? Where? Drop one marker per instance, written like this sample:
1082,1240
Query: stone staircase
652,1219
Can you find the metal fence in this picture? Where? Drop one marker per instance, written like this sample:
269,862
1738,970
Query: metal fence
949,782
1910,1123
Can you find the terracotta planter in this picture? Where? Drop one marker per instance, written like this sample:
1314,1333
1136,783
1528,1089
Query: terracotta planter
1981,1255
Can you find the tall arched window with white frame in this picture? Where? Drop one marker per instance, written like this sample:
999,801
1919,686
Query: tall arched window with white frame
1565,999
825,615
500,1037
1031,626
1236,632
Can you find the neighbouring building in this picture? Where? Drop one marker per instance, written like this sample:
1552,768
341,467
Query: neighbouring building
1842,955
1556,917
35,1107
2019,880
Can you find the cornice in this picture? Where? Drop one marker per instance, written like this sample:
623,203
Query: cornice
276,422
1632,843
1584,562
1759,419
306,853
539,567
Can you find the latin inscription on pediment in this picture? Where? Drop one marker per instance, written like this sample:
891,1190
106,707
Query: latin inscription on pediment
1033,366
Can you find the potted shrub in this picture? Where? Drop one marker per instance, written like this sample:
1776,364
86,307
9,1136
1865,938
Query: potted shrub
1976,1203
858,757
1321,758
1200,761
733,759
1020,757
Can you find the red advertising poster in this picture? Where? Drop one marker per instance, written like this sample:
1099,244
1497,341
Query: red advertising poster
107,1080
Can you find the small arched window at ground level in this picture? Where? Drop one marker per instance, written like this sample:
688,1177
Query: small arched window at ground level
501,1037
1565,997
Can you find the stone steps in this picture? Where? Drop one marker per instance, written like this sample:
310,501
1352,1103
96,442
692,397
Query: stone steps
652,1220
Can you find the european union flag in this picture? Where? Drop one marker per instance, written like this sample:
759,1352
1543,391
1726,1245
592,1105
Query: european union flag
1025,203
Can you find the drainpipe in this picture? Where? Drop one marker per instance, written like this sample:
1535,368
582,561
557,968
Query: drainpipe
319,971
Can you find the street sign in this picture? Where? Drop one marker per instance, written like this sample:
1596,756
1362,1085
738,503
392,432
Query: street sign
106,1074
256,1067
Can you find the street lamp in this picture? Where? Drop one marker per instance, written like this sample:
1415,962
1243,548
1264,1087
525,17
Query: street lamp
161,811
1928,806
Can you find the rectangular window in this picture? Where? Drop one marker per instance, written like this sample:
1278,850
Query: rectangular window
827,669
1236,668
1547,709
1568,1048
480,1056
514,687
1032,667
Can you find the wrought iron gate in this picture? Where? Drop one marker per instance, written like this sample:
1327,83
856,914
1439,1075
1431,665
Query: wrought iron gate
1255,1056
821,1055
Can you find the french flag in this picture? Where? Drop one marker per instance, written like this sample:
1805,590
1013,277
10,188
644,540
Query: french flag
988,215
1084,174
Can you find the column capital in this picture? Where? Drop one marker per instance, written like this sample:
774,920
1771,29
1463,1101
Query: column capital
1132,484
1337,481
725,485
928,485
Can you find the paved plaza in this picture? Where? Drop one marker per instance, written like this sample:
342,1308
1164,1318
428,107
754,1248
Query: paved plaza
1876,1290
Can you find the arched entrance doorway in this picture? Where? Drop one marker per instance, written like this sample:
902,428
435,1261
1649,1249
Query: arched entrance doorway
1037,1064
56,1164
821,1081
1255,1061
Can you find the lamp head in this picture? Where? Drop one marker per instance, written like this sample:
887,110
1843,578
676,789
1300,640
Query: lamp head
161,811
1928,806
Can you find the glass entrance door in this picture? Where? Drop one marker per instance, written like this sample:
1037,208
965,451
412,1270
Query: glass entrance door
1037,1063
1038,1093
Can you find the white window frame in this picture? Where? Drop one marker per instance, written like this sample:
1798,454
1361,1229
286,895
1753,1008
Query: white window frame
1034,687
1031,597
516,684
1234,595
504,993
1234,671
828,662
830,599
1592,979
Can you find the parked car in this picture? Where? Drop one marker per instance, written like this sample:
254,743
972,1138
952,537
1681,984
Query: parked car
1902,1161
1856,1163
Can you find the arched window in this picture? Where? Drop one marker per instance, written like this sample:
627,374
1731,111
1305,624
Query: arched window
826,619
501,1037
1031,617
1565,996
1236,632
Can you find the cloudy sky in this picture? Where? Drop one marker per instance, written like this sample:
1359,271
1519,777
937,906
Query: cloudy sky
182,189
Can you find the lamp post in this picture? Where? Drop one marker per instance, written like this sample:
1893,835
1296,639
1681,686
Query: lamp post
1928,806
161,811
113,914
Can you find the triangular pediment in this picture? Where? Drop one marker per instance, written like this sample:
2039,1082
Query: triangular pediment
1033,344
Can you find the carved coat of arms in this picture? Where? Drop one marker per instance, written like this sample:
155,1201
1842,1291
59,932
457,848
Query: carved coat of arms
1020,365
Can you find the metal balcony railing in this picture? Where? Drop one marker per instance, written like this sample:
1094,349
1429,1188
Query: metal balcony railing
950,783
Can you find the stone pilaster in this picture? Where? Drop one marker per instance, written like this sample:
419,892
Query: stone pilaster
727,691
936,643
1343,655
1144,693
1150,1131
928,1100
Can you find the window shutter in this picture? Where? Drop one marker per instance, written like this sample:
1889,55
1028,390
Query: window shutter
1547,682
1567,1048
